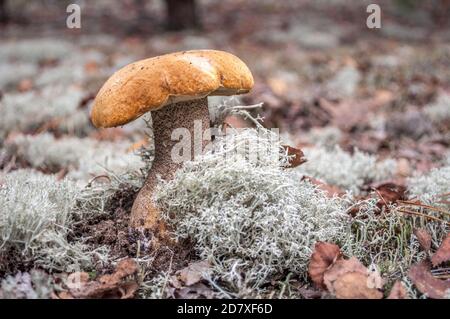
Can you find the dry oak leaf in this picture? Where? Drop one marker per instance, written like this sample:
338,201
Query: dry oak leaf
398,291
116,285
296,156
194,273
186,283
424,281
390,193
443,252
323,257
349,279
424,238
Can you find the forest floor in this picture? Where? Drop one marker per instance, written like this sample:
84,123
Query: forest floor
370,109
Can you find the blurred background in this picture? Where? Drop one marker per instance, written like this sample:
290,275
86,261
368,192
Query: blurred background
324,77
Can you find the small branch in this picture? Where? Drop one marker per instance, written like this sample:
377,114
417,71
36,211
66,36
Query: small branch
437,209
423,215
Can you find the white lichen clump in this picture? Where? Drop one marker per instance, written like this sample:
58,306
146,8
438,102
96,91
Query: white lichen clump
36,218
30,111
13,73
348,171
433,187
251,218
83,158
440,110
329,136
35,50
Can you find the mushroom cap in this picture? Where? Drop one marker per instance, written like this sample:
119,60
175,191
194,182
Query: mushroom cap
150,84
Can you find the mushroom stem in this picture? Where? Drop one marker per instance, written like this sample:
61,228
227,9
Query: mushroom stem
185,116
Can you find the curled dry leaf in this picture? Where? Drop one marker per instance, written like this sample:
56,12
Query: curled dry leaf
443,253
186,283
390,193
193,273
117,285
424,238
323,257
427,284
398,291
297,157
349,279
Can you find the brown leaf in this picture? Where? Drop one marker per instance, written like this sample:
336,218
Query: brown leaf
116,285
353,285
390,193
443,253
323,257
297,157
424,238
25,85
427,284
193,273
349,279
187,282
398,291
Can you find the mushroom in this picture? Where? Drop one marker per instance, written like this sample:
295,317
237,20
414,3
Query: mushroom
174,87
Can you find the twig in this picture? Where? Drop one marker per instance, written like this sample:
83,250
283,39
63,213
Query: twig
425,206
423,215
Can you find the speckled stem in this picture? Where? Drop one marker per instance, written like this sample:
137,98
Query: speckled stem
145,213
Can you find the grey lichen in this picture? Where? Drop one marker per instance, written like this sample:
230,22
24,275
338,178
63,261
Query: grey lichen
433,187
248,216
37,213
349,171
82,158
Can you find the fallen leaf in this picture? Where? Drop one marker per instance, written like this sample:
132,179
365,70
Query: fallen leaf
25,85
296,155
194,273
353,285
398,291
187,282
389,193
349,279
91,67
323,257
117,285
443,252
427,284
424,238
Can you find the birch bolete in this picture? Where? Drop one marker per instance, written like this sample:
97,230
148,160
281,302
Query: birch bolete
174,88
